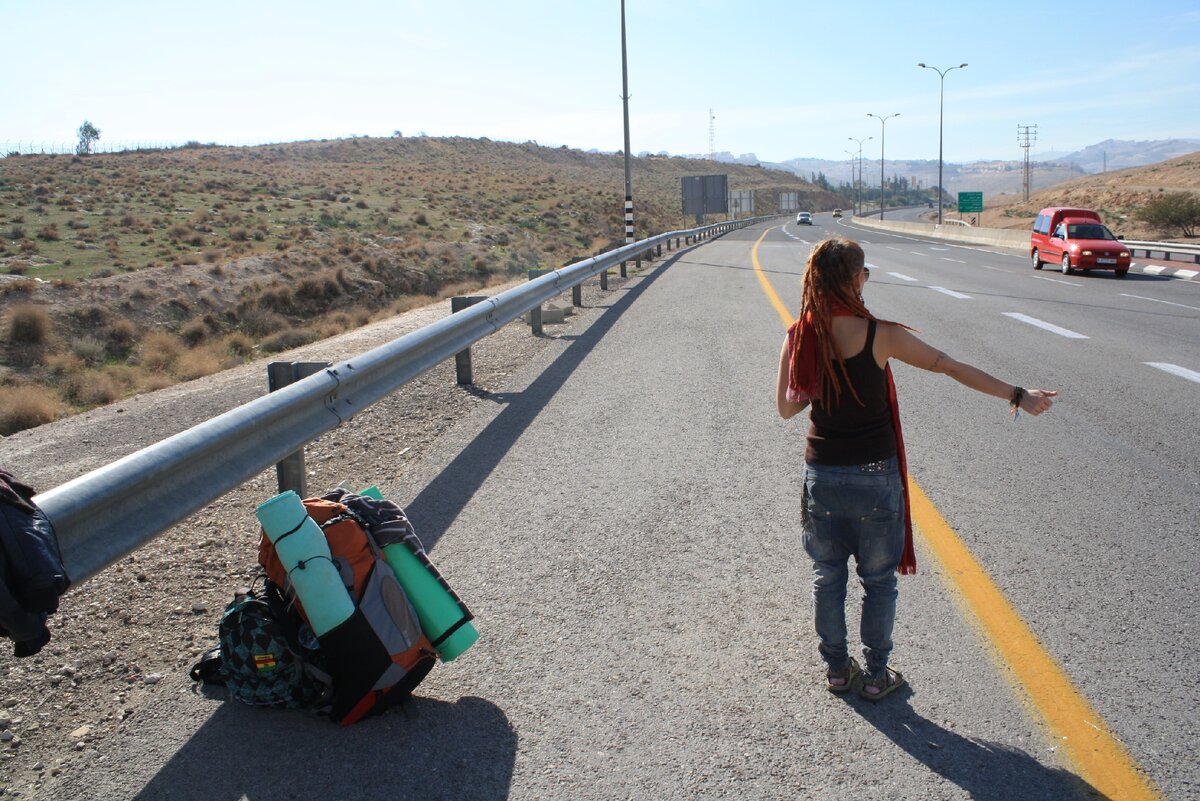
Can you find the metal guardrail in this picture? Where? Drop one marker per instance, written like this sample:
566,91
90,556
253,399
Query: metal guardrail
1165,248
109,512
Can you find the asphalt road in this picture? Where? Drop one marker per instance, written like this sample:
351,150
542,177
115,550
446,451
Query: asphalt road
624,522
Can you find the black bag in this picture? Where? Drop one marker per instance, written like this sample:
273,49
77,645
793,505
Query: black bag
32,576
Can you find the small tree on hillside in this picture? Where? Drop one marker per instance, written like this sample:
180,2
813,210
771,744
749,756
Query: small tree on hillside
88,135
1178,210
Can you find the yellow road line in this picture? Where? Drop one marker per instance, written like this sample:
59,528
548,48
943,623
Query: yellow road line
1084,736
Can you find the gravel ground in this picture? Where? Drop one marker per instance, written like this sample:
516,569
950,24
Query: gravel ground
116,637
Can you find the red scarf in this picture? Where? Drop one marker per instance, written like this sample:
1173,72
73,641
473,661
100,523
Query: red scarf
804,383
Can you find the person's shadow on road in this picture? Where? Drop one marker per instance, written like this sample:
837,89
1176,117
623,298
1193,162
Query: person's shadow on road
988,771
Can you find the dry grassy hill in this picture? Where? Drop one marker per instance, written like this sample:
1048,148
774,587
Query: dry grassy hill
1116,195
125,272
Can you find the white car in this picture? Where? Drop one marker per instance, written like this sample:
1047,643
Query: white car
804,218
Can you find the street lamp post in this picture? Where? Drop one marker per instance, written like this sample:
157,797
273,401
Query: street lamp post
857,185
941,95
853,181
882,139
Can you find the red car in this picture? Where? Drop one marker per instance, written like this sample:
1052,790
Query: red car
1077,240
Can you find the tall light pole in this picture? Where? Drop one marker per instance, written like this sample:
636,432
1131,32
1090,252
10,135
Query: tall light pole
941,95
857,194
853,180
882,139
625,102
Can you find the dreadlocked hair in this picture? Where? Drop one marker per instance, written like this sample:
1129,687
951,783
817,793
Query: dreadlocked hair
829,282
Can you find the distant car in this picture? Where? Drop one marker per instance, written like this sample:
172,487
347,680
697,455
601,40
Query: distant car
804,218
1077,240
837,212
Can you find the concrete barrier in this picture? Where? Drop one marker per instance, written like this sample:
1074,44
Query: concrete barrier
993,237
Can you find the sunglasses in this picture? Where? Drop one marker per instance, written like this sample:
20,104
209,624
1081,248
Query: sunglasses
866,273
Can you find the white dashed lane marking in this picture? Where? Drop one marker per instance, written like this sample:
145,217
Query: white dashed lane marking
956,261
1156,300
1174,369
1055,280
950,292
1051,327
902,276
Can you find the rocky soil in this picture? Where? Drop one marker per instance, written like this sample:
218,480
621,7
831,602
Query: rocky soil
120,633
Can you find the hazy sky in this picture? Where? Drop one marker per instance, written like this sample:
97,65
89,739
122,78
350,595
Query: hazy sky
785,79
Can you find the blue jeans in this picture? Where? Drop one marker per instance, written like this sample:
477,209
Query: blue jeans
850,511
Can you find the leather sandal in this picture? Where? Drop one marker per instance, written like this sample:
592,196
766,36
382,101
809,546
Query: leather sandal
881,686
839,681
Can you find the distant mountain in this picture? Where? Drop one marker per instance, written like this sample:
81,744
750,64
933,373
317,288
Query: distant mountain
1117,154
990,177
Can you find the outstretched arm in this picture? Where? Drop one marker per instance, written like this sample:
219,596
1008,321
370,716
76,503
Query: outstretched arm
787,409
905,346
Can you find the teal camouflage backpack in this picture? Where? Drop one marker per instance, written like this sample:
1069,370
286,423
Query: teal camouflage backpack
266,655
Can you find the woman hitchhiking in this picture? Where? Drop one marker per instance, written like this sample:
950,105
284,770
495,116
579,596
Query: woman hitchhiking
855,500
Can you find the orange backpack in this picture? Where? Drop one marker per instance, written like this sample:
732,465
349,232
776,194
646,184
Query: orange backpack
379,654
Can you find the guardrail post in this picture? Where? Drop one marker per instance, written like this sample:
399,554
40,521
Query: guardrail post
290,471
462,360
577,295
624,274
604,279
659,249
535,314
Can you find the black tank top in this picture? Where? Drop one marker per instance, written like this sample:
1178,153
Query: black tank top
849,432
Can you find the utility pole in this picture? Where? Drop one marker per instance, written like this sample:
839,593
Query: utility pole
625,102
712,136
1026,136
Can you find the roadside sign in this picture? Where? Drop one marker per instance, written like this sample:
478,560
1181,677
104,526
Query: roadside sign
970,202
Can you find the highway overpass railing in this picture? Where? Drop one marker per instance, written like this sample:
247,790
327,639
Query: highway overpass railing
109,512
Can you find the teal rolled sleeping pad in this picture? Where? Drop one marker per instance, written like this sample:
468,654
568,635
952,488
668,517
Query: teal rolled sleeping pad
443,618
304,553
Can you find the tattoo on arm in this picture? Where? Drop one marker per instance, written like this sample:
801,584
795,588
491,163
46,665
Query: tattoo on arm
937,362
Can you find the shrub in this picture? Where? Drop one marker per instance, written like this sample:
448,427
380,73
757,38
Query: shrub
287,339
196,363
91,388
63,364
1177,210
22,285
158,351
28,325
26,407
89,351
119,338
238,344
193,332
258,322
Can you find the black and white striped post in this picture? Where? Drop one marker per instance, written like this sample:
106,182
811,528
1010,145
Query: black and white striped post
628,181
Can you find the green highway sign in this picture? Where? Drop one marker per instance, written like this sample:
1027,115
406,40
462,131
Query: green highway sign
970,202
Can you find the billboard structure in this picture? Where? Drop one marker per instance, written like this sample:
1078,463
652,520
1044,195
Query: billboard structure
789,201
741,202
705,194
